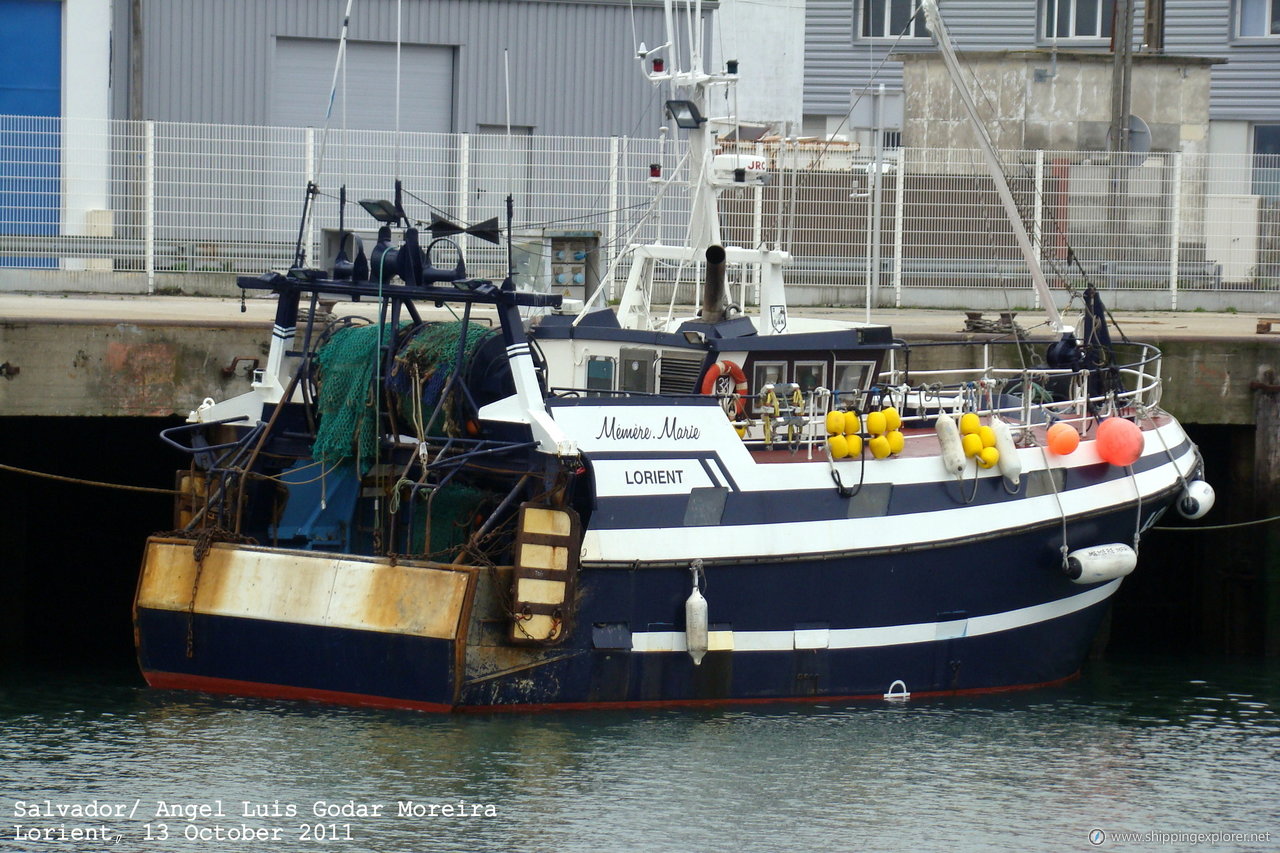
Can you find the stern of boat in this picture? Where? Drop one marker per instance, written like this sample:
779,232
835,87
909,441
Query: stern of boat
236,618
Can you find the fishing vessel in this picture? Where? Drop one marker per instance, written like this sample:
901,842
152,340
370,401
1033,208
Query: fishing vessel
591,506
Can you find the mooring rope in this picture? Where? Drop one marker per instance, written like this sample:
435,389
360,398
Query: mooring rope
1233,525
82,482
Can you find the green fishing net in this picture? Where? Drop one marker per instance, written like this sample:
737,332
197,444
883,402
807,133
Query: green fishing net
422,368
350,409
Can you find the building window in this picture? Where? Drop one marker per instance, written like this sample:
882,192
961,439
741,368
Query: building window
1266,160
1077,19
1259,17
892,19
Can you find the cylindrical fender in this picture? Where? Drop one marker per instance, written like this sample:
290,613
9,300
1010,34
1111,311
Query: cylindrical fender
1010,464
1100,563
949,442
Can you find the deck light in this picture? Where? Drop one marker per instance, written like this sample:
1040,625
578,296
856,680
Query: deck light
686,114
381,209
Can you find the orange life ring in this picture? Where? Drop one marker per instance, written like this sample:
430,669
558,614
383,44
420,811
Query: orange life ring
732,370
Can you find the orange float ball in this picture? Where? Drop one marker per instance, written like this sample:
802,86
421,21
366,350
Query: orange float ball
1119,441
1062,438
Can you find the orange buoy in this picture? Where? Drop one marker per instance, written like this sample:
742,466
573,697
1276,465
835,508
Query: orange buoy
1062,438
1119,441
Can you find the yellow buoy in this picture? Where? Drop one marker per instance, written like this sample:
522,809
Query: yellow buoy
969,423
892,420
988,457
835,421
838,445
879,445
971,443
896,441
988,436
855,444
852,422
876,424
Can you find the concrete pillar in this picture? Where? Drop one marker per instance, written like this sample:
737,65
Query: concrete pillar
1266,491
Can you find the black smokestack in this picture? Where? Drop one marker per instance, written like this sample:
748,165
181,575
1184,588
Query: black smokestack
713,288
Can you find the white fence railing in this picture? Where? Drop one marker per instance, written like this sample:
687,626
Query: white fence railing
155,201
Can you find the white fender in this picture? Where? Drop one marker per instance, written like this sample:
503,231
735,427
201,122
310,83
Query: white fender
1010,463
1196,500
695,626
949,442
1101,563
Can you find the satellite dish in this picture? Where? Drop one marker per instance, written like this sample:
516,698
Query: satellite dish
1139,143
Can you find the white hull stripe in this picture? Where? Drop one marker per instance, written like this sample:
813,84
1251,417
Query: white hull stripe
832,535
889,635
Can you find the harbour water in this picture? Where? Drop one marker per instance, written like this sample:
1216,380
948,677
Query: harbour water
1153,752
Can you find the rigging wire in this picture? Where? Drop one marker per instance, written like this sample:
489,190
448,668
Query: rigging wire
399,20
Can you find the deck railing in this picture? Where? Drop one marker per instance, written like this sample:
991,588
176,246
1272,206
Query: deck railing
146,205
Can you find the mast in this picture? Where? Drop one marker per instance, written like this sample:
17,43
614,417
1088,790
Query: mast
943,39
690,107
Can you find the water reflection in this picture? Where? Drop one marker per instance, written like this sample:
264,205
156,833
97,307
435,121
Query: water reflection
1135,745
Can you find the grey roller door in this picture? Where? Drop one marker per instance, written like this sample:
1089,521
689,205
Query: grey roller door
303,70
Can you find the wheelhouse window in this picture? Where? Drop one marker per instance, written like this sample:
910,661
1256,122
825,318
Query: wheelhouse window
1258,18
892,19
1076,19
600,372
766,373
851,379
810,375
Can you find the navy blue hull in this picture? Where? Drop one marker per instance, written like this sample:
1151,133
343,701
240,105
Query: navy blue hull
234,655
1032,656
966,590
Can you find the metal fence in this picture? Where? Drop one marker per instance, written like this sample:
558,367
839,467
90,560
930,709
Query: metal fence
145,205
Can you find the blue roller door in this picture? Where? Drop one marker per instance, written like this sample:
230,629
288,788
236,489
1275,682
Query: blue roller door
30,88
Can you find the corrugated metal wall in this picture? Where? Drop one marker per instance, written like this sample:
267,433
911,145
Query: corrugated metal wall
837,60
572,66
1247,86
